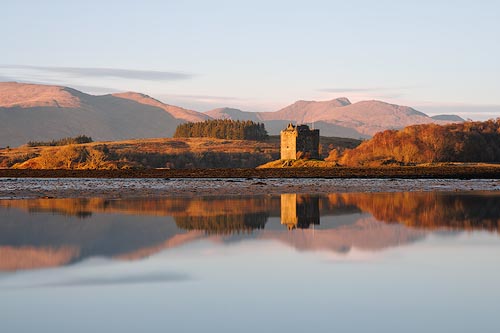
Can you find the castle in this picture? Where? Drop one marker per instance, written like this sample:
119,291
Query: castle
300,138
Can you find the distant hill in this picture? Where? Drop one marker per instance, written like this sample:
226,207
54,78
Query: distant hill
34,112
338,117
308,111
42,112
449,117
234,114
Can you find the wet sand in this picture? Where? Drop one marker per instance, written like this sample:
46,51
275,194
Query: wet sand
19,188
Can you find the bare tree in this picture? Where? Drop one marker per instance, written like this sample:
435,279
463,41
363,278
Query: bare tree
47,159
69,155
95,159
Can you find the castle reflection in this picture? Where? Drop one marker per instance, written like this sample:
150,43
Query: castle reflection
299,210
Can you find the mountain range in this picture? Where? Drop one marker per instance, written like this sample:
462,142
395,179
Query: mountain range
44,112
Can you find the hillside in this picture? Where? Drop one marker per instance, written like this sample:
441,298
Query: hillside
179,153
175,111
42,112
428,143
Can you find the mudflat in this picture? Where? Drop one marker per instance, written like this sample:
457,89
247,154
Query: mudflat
120,188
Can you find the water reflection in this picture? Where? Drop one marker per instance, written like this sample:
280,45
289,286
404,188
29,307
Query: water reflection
52,232
299,210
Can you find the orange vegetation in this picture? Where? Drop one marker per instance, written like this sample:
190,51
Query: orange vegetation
461,142
179,153
428,210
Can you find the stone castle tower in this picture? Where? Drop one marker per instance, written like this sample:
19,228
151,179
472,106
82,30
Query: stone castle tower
299,138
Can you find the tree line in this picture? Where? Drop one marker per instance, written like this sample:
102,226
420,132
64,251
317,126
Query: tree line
62,142
223,224
222,129
429,143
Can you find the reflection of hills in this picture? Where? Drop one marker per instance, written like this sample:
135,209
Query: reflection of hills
29,257
44,240
429,210
366,234
51,232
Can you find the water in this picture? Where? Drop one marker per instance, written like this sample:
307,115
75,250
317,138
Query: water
349,262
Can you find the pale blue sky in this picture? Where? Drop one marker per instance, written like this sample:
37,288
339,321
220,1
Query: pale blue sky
262,55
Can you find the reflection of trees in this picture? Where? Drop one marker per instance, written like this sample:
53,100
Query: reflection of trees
70,207
176,206
430,210
78,213
223,224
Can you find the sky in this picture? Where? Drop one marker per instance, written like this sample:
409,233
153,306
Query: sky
437,56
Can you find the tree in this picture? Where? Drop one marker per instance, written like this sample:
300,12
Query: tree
69,155
223,129
95,159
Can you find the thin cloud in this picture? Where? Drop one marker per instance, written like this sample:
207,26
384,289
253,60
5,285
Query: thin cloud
111,280
203,98
82,87
470,111
224,98
4,78
94,89
209,102
103,72
103,281
362,89
340,90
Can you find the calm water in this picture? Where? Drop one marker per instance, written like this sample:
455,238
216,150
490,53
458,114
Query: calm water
393,262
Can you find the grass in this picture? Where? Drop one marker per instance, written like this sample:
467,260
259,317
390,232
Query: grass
131,152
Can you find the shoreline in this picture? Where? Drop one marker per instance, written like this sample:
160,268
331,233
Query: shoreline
121,188
453,171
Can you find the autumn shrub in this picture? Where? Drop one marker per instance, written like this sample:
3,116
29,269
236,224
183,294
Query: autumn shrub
429,143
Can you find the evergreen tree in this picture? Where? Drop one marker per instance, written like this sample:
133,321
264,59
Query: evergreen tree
222,129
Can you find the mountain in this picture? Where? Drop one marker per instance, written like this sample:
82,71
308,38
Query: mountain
175,111
299,112
307,111
339,117
44,112
234,114
34,112
449,117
